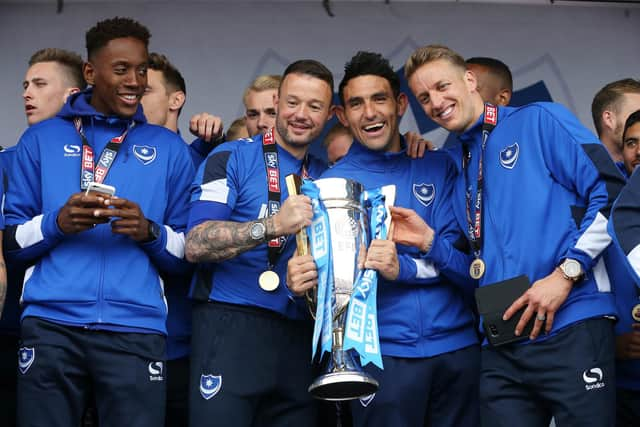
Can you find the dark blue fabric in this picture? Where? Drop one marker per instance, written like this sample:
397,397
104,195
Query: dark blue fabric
437,391
125,371
570,376
263,361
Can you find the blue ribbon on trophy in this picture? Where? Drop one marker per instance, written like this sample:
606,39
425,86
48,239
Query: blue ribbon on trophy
361,327
320,243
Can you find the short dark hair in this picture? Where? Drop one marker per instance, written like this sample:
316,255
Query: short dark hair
115,28
631,120
369,63
71,63
496,67
609,97
312,68
172,77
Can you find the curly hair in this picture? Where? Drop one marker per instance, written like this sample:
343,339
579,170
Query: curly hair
115,28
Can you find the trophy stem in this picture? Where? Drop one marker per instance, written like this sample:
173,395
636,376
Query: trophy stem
345,379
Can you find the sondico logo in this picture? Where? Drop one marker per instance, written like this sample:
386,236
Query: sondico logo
155,371
593,378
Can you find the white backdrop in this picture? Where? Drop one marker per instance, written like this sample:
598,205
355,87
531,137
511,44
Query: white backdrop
220,46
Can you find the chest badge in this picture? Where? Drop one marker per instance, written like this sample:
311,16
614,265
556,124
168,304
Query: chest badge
425,193
144,153
509,155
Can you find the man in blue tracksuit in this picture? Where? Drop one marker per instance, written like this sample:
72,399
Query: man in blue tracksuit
624,268
94,305
250,355
426,325
533,202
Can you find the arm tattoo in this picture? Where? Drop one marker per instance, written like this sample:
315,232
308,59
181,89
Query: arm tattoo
215,241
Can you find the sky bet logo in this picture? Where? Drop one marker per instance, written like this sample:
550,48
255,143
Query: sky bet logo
593,379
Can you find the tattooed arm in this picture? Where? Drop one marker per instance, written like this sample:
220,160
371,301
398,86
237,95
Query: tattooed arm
215,241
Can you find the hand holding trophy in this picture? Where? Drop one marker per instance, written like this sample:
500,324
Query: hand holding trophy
345,311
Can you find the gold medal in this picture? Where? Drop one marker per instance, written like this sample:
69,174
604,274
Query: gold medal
477,268
635,313
268,281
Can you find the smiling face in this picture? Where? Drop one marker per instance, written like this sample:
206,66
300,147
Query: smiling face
118,74
303,108
447,94
372,113
45,91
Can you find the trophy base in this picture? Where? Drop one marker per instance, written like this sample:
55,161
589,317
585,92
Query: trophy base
339,386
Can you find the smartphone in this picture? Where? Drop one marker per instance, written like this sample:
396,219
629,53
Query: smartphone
105,189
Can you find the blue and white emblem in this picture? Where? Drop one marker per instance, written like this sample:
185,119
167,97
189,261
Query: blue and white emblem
509,155
144,153
425,193
364,401
26,356
210,385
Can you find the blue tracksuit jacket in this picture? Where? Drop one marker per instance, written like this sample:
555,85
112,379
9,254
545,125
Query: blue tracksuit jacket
97,278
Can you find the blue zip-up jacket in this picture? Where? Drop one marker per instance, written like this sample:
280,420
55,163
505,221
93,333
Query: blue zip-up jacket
231,185
97,278
543,200
426,311
623,260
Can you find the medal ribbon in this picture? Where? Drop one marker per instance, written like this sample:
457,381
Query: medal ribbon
320,242
272,165
97,173
474,225
361,327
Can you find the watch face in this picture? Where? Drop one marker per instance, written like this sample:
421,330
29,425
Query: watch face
572,268
257,231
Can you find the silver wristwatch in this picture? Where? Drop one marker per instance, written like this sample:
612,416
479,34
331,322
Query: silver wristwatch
571,269
258,231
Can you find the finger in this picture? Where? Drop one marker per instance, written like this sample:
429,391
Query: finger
132,214
402,212
217,128
193,123
538,323
549,323
517,305
421,148
524,320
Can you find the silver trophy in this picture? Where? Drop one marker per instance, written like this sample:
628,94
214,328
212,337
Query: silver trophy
343,377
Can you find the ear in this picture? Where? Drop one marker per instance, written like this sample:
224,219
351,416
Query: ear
403,103
471,81
88,71
332,110
176,100
503,97
609,120
68,92
276,98
342,117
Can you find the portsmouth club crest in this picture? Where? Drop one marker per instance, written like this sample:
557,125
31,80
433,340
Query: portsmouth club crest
425,193
365,400
210,385
509,155
144,153
26,356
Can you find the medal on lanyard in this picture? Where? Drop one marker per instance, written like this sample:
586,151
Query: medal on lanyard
635,312
268,279
478,267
